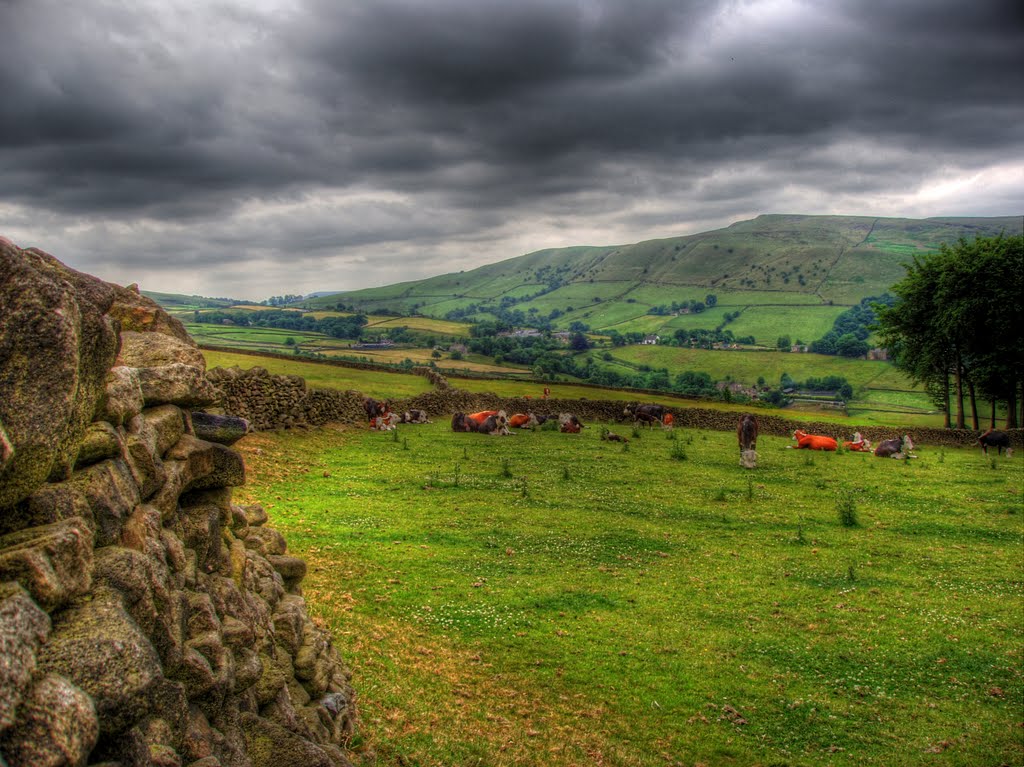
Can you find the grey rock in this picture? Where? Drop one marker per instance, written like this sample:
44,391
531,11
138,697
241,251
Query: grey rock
223,429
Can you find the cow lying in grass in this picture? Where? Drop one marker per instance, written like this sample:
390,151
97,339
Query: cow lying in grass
858,444
898,447
610,436
805,441
384,422
492,422
414,416
569,423
746,434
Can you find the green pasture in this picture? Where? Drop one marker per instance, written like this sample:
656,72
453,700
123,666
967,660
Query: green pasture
552,599
266,339
747,366
768,323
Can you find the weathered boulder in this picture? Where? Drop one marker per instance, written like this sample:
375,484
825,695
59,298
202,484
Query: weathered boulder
100,649
176,384
111,493
136,312
53,562
150,350
23,629
271,745
55,351
100,441
122,397
57,726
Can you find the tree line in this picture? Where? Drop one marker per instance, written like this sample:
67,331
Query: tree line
956,327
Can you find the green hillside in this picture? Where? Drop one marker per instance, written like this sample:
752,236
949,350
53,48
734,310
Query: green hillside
821,264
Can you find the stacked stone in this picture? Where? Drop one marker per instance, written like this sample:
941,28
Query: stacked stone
145,619
266,401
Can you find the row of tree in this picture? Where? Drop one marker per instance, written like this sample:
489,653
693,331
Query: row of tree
957,327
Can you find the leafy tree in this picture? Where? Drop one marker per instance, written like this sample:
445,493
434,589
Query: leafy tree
784,343
957,325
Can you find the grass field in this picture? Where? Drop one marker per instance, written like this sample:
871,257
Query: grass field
549,599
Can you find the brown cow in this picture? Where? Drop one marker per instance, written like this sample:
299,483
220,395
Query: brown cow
746,434
375,409
494,425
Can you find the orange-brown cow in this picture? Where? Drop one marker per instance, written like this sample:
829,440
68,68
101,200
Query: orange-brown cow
805,441
519,421
858,444
668,421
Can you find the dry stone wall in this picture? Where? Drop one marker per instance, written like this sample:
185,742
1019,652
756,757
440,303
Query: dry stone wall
271,401
145,619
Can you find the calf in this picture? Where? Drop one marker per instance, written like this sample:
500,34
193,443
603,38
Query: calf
996,439
805,441
668,421
746,435
609,436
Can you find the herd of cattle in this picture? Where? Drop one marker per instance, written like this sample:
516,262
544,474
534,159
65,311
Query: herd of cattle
498,422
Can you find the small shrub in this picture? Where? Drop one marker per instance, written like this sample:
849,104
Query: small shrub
678,453
671,435
847,509
394,435
565,473
750,490
405,443
458,474
636,433
506,469
524,488
465,455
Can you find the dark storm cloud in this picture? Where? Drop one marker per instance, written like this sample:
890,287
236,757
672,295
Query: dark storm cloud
341,126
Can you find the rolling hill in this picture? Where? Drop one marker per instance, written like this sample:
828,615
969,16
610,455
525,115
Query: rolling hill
775,274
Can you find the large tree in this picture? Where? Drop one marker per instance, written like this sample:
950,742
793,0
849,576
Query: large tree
957,324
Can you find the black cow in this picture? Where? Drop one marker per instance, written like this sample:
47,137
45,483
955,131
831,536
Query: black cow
648,414
461,423
375,409
997,439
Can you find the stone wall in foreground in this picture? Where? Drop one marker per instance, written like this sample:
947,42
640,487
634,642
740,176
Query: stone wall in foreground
145,618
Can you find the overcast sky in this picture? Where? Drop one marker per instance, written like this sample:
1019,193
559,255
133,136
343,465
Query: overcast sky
250,148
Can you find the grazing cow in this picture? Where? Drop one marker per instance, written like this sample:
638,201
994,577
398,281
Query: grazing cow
897,447
858,444
414,416
746,435
569,423
668,421
375,409
805,441
648,414
461,422
996,439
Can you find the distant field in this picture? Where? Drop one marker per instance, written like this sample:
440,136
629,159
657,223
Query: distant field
375,383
